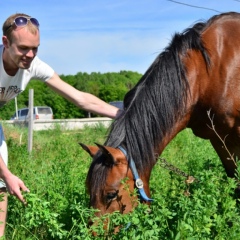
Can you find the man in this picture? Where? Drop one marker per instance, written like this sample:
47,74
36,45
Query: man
18,65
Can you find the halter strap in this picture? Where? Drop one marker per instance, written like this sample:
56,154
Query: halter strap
138,181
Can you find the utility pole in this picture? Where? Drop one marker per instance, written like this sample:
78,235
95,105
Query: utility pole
30,120
16,107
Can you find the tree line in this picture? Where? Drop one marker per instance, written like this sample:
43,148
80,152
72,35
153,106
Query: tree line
107,86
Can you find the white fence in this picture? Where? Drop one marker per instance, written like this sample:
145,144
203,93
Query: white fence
68,124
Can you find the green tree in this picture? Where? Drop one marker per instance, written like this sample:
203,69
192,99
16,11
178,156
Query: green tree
109,87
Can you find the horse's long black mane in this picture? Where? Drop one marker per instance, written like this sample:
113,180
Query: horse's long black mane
152,107
155,103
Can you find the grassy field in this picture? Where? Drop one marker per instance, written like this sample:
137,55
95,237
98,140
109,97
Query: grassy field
57,207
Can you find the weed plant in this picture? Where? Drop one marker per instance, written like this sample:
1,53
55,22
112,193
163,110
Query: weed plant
58,205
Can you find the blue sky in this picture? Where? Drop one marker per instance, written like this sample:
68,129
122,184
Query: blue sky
110,36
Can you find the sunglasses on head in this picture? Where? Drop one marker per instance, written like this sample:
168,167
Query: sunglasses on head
23,21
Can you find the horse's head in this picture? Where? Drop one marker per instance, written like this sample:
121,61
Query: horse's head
110,181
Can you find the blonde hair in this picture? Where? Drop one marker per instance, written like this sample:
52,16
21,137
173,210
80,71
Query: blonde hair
7,30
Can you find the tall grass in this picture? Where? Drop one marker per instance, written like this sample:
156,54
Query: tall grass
57,207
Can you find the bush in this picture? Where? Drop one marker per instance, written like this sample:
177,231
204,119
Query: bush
57,207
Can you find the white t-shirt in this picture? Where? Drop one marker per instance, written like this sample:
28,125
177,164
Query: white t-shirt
11,86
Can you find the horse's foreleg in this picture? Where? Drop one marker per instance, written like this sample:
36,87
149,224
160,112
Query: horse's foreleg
227,154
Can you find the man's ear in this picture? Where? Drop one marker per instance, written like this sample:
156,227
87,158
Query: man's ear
5,41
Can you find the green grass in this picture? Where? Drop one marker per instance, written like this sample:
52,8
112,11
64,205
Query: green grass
57,207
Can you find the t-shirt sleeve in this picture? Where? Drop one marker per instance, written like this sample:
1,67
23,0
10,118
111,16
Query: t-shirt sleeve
40,70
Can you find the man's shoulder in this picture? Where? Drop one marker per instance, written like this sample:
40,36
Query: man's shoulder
41,70
36,59
37,64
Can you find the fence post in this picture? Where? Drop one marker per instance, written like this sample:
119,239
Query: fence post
30,120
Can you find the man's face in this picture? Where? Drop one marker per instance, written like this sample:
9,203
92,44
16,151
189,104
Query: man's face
23,48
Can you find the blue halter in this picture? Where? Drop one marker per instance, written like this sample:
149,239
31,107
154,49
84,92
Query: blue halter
138,181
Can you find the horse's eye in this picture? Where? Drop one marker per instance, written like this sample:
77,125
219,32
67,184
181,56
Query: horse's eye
111,196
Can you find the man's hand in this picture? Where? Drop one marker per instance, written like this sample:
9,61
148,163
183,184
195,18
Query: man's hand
15,185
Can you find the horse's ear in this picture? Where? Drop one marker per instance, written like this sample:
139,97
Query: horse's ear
92,150
109,159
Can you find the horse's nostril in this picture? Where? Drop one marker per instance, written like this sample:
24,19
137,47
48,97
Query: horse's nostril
90,223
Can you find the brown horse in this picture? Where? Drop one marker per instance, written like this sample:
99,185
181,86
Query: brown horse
194,82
